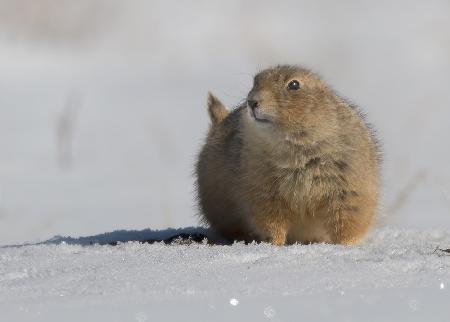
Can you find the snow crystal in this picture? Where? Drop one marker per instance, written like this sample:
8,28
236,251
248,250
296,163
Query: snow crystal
234,302
269,312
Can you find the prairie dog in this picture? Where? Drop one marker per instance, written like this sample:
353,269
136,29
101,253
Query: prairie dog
294,163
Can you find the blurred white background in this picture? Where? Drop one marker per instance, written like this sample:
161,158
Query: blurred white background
102,102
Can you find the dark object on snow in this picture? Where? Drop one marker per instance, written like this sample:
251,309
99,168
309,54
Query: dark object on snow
182,239
442,252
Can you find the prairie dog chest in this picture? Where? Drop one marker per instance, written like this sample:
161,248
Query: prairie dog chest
288,186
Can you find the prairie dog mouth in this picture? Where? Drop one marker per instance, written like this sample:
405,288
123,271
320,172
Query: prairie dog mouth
255,113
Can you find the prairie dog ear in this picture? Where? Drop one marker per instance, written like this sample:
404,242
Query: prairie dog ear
217,111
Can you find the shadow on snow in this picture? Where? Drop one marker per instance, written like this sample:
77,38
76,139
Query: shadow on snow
186,235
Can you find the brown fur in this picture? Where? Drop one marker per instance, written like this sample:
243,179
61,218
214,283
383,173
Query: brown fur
217,111
304,169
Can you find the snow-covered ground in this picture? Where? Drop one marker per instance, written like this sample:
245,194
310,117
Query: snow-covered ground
395,276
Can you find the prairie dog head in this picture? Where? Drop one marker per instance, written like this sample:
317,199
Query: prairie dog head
293,103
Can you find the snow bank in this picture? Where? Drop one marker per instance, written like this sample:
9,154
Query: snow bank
395,275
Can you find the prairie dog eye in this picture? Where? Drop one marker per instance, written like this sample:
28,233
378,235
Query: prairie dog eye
294,85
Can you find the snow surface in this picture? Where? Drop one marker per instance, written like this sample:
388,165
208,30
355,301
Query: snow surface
396,275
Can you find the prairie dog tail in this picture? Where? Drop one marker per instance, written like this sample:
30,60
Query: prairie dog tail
217,111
